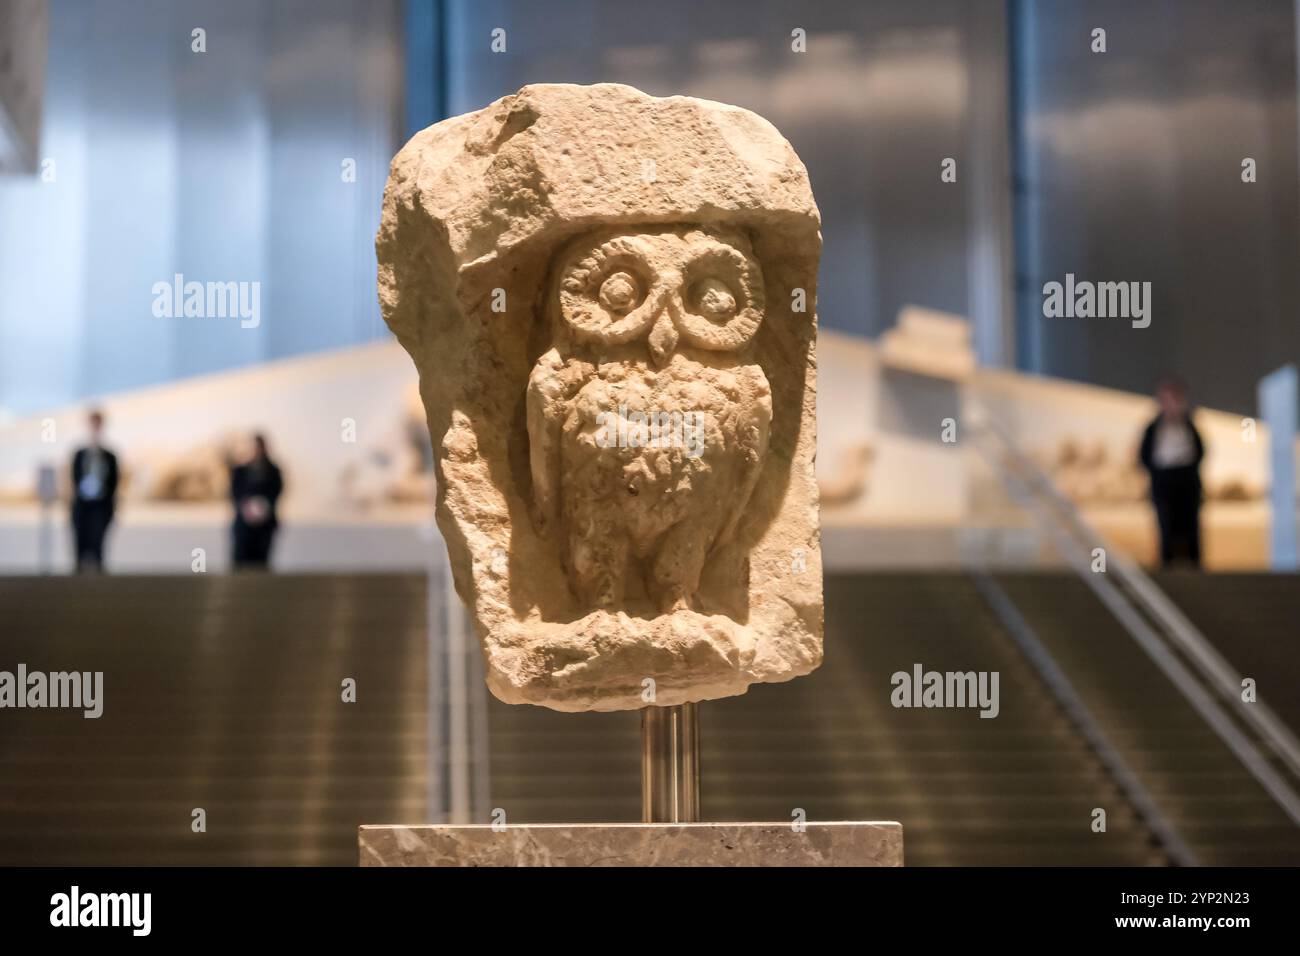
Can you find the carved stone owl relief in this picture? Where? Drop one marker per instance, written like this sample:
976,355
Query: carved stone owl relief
648,418
618,372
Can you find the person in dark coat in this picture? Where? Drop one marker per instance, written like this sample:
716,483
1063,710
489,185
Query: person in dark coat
254,490
94,493
1171,452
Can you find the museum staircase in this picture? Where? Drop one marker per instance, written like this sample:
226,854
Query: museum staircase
1220,811
221,693
1020,788
1175,679
1017,788
226,694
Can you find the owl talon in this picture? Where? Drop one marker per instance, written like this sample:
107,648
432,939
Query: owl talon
673,600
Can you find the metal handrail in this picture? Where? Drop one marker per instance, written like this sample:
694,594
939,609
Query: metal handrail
1079,714
1164,611
1076,539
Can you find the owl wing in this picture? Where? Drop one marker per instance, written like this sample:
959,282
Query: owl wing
551,386
753,426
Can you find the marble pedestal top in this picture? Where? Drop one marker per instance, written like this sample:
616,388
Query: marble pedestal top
635,844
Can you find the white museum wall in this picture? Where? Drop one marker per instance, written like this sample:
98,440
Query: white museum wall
336,423
911,501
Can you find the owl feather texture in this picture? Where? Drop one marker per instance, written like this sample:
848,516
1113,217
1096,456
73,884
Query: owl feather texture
647,424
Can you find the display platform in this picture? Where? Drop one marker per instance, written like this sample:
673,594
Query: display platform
636,844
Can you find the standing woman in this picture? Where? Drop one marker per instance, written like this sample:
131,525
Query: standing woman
254,490
1171,453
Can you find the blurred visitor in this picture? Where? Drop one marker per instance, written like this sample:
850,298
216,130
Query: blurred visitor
94,490
1171,453
254,489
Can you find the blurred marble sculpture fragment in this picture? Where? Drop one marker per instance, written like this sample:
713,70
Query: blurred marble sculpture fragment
610,300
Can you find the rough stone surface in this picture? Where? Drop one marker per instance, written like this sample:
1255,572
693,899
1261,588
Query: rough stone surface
636,844
610,298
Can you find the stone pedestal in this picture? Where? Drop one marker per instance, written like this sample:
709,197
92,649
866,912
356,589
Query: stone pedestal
635,844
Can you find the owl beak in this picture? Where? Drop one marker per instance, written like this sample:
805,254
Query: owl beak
663,337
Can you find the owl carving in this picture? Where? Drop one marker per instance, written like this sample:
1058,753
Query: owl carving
647,417
619,380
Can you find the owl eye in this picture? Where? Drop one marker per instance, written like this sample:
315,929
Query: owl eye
620,293
723,298
603,291
712,299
